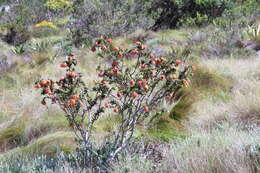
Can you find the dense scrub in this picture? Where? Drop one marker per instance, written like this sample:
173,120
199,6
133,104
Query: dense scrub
89,19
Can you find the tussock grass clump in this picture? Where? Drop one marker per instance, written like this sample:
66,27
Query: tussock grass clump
11,137
50,145
205,83
243,105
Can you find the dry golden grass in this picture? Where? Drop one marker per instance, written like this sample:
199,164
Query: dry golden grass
244,104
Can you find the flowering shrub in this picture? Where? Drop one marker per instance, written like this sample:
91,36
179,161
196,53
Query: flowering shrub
57,4
131,91
45,24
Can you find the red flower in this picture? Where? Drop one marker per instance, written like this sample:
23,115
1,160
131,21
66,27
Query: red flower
93,49
47,91
143,66
37,86
134,95
72,102
146,88
132,83
109,40
152,56
116,72
71,74
103,47
142,82
61,79
120,54
143,47
107,105
115,63
97,44
178,62
119,95
146,108
63,65
116,110
162,77
157,61
152,62
75,97
163,59
116,49
45,83
134,52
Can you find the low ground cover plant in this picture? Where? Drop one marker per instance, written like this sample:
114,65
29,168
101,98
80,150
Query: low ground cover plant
133,85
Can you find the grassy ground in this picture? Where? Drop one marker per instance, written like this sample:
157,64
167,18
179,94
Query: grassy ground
213,128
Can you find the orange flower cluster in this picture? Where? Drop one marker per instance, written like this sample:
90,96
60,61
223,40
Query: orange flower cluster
49,87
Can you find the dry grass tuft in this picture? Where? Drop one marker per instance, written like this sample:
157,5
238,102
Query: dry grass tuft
244,106
224,150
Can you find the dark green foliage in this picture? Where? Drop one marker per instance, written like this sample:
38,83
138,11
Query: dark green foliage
16,35
175,13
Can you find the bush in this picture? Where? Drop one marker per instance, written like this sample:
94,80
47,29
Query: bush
176,13
132,91
91,19
16,35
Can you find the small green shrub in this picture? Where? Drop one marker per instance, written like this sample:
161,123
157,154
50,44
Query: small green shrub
19,50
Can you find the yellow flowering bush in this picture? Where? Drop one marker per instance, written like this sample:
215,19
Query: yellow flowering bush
45,24
58,4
